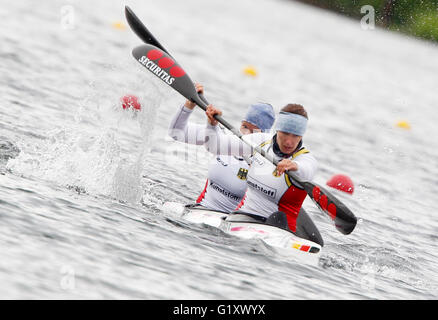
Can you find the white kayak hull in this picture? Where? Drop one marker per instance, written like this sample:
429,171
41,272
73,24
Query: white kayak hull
280,240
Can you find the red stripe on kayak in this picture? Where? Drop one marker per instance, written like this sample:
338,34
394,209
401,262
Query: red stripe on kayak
305,248
246,229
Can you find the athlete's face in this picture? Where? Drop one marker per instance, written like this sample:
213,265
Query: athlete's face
287,142
247,128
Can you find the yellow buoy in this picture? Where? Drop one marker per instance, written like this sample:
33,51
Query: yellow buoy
250,71
404,125
119,25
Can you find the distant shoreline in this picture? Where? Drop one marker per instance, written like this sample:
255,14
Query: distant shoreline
409,17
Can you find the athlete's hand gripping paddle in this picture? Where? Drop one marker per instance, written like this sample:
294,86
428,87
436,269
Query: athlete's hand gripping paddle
157,60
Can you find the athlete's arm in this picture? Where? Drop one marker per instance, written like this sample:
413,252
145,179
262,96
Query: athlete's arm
306,165
223,144
286,165
183,131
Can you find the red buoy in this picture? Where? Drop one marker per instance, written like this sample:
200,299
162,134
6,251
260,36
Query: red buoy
341,182
129,101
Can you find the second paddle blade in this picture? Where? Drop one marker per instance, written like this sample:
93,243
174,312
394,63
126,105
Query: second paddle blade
345,221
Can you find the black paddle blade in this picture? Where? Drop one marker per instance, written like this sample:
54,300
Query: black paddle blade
144,34
140,29
167,69
345,221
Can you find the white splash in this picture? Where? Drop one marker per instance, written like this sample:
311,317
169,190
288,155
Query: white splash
88,155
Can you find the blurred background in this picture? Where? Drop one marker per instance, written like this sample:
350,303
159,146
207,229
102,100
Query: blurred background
416,18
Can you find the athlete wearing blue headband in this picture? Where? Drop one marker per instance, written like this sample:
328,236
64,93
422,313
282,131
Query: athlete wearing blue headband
270,190
290,127
226,184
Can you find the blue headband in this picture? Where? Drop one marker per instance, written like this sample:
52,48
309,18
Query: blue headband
291,123
261,115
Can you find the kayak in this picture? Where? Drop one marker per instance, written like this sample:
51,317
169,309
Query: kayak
244,226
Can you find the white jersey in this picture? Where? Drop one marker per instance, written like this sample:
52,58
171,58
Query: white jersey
226,182
267,192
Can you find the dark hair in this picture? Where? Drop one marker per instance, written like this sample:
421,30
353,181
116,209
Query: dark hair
295,108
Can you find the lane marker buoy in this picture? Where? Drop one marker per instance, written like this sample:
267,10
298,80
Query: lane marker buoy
341,182
250,71
119,25
403,125
129,101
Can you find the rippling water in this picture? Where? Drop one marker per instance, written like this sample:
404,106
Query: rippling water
83,181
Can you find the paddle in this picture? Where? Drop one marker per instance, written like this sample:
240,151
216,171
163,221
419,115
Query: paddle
144,34
140,29
157,60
